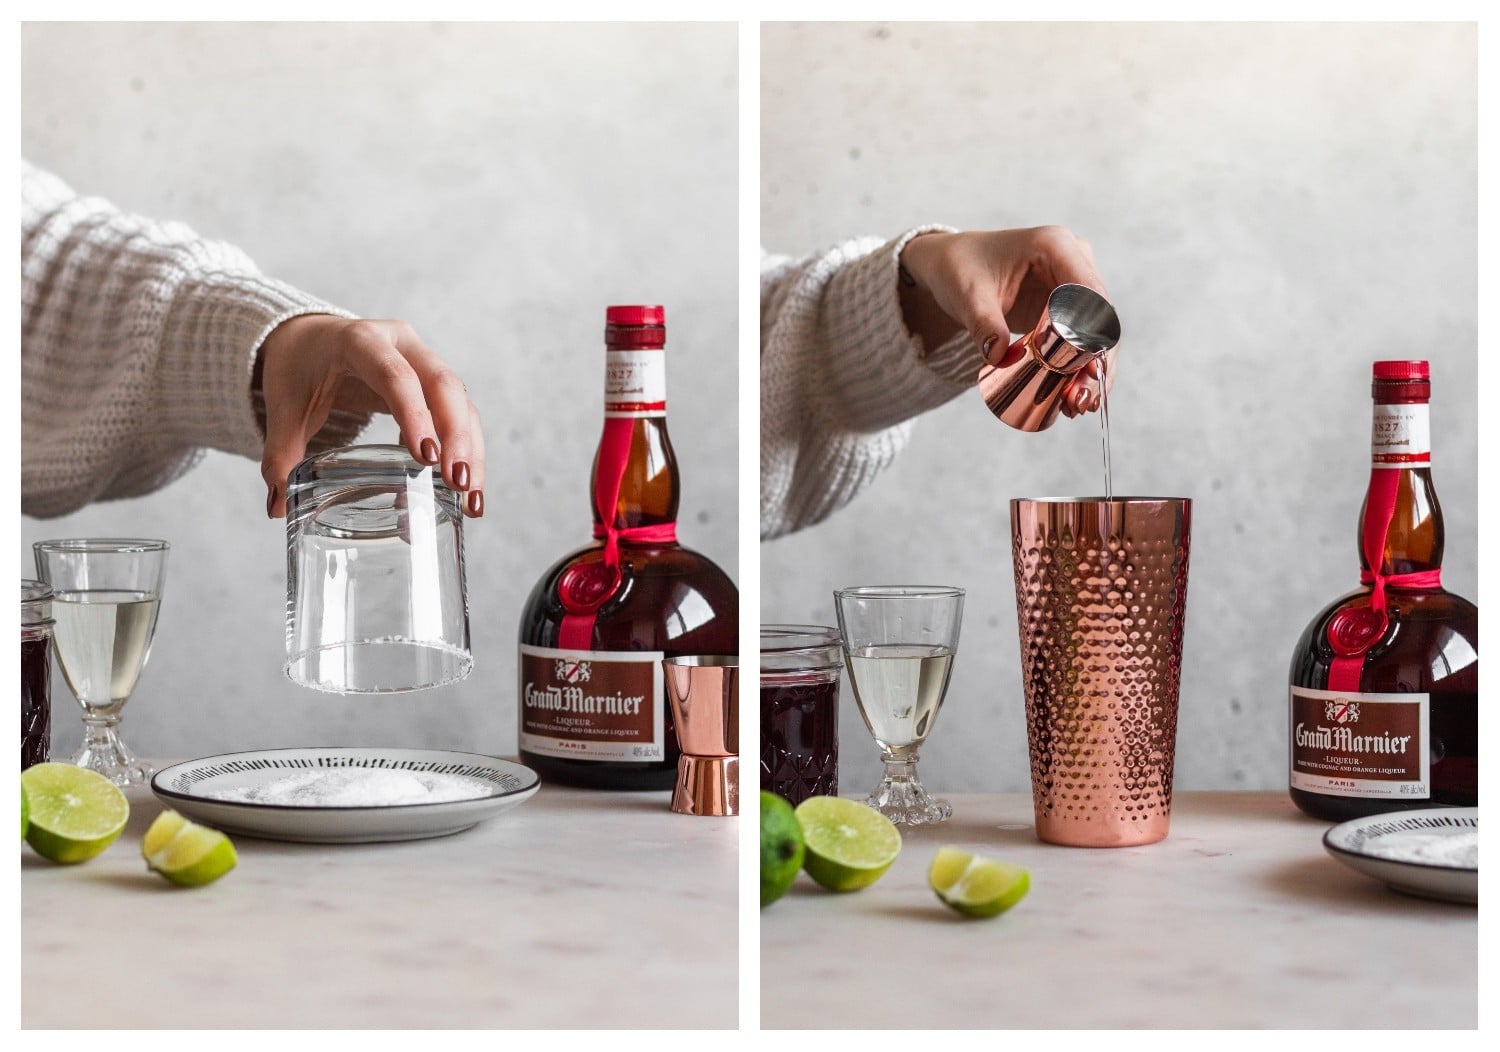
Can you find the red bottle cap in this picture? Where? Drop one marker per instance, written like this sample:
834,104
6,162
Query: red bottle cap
1401,371
635,316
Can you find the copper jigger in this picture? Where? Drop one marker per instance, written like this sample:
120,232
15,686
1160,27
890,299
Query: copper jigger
1025,390
1101,587
704,692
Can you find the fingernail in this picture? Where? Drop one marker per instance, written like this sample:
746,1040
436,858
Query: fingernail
476,503
429,451
461,475
990,342
270,502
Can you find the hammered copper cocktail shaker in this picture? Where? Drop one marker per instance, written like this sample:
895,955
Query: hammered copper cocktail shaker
1101,587
1026,389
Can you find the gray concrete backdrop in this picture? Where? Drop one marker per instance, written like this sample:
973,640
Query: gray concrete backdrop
1272,206
495,185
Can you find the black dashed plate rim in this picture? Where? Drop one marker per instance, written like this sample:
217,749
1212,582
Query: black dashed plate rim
513,784
1460,884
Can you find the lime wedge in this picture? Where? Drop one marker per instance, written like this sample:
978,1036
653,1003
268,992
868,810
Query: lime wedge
73,813
974,886
167,825
781,850
185,852
849,845
25,811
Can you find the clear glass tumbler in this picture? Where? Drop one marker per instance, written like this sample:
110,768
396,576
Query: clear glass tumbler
375,595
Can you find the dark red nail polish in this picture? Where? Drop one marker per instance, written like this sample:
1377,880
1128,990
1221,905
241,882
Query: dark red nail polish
429,451
271,502
476,503
461,475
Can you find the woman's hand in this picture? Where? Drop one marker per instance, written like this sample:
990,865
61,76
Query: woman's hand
994,283
314,363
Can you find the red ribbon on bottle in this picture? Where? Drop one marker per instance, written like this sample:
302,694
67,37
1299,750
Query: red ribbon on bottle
1353,631
585,587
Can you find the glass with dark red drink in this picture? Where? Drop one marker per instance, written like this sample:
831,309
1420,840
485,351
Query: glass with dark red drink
36,672
799,710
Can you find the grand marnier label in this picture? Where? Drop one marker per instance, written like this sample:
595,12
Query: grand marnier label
592,705
1365,745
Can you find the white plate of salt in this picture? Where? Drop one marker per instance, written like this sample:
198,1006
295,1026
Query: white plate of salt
344,796
1432,853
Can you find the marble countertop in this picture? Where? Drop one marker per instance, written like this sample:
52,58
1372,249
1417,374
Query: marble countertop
1239,919
577,909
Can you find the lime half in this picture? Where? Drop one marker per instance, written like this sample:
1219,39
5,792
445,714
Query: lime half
974,886
73,813
185,852
849,845
781,850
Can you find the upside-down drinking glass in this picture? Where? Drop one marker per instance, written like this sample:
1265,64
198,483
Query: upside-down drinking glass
375,595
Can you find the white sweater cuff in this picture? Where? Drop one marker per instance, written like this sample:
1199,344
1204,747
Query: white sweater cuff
215,327
887,372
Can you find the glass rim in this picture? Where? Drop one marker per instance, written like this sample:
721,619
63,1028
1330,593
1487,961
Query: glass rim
461,656
900,591
33,590
703,660
818,637
103,545
37,598
1101,500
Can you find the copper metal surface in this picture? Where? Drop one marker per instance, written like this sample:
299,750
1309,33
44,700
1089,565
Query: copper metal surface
1026,389
703,692
707,785
1100,593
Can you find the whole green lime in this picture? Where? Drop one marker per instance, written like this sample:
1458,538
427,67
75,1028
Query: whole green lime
781,849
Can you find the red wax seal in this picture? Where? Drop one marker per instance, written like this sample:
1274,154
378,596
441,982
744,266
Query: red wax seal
585,587
1353,631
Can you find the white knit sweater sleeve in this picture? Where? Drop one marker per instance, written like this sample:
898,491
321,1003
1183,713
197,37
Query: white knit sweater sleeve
841,377
138,340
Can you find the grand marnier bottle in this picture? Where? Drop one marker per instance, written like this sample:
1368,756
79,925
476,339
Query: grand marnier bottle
592,711
1385,682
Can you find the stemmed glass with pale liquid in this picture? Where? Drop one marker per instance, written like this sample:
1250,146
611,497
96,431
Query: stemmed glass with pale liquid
106,595
899,643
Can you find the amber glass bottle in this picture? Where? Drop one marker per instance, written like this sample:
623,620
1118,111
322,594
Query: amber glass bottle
1385,682
592,711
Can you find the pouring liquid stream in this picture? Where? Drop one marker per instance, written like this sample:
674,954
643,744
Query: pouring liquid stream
1095,344
1109,488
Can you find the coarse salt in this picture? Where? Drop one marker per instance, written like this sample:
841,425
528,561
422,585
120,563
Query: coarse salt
1459,849
357,787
